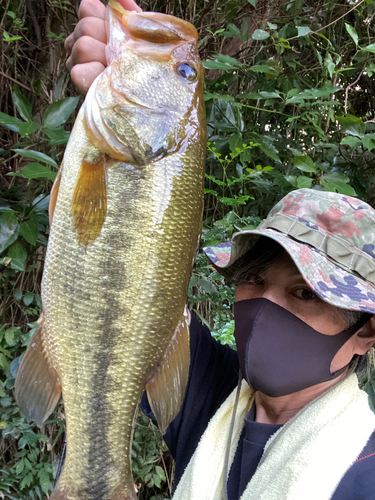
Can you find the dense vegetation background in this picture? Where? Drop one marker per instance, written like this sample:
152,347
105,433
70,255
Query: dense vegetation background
290,100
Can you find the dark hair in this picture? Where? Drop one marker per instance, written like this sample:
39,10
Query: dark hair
256,260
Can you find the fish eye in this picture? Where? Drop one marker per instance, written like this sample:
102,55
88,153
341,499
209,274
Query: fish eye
187,71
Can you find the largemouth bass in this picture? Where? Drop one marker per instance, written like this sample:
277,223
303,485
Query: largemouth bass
126,208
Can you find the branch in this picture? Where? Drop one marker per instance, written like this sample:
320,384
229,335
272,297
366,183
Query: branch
330,24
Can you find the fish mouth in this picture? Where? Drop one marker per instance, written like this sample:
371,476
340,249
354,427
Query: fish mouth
155,27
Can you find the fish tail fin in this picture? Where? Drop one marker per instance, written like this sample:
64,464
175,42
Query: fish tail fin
37,386
166,388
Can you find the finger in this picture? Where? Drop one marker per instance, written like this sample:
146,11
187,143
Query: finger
92,27
91,8
130,5
84,74
69,42
85,50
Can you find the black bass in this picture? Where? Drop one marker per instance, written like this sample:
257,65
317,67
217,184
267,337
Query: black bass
126,207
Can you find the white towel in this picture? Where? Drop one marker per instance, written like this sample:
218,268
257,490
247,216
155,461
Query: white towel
304,460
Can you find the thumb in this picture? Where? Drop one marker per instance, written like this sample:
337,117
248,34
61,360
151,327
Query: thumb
130,5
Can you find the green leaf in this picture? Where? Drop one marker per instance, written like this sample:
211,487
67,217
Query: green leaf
36,171
303,30
18,255
58,135
9,230
58,112
20,466
29,230
222,62
337,177
304,163
351,141
253,2
36,155
9,38
22,104
28,128
269,151
304,182
352,125
352,32
9,337
10,120
340,187
370,48
260,35
18,294
272,26
28,298
369,141
329,64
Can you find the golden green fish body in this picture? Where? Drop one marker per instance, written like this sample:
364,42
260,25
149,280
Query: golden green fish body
114,291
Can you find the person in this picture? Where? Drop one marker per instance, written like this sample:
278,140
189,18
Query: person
283,417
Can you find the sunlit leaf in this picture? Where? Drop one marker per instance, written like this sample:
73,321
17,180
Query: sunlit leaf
369,141
36,155
22,104
352,125
351,141
303,30
370,48
9,230
352,32
260,35
304,163
36,171
58,112
18,254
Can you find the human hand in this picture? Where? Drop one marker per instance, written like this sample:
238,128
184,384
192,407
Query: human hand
86,45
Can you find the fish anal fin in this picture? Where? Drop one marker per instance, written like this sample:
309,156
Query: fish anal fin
37,386
166,387
54,193
89,202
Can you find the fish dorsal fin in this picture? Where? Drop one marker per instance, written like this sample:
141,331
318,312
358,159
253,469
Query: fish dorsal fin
37,386
54,194
89,202
166,388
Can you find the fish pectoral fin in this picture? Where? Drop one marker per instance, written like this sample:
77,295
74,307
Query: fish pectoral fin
37,386
89,202
166,388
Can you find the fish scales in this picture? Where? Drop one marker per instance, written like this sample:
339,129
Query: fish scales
114,289
133,323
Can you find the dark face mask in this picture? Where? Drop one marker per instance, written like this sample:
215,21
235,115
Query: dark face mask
279,353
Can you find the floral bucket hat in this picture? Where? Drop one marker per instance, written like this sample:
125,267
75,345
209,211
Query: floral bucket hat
329,236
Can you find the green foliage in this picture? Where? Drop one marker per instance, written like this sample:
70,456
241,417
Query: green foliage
291,108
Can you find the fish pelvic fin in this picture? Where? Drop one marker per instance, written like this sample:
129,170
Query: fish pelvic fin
37,386
166,387
89,202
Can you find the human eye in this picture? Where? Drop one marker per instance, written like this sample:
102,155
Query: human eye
253,279
305,294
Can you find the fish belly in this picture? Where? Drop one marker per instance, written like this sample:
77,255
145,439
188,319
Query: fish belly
111,308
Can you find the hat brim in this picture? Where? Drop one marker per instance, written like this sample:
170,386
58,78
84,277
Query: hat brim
329,281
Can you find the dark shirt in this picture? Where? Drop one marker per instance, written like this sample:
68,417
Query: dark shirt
213,376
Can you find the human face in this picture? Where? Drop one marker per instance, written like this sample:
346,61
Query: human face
284,285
